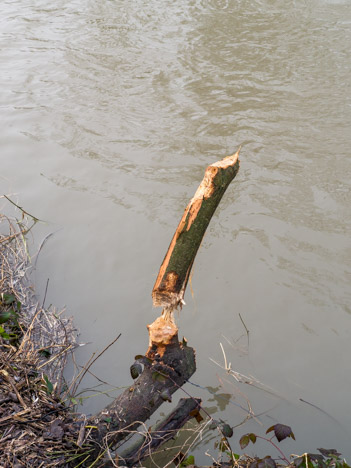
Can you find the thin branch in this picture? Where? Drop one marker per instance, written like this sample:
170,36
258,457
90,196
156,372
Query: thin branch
246,329
23,210
94,360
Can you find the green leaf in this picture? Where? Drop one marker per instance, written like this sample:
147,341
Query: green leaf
214,424
188,461
108,420
8,298
227,430
5,315
4,334
244,441
270,429
49,386
252,437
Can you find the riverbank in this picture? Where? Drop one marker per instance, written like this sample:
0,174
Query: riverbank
35,342
38,425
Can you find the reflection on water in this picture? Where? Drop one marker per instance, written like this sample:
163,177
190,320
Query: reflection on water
110,112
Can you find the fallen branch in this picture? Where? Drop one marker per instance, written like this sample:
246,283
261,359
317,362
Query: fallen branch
159,379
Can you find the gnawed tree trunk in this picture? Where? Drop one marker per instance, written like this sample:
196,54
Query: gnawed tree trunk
167,364
174,273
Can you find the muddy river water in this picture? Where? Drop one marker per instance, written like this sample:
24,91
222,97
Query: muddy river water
110,112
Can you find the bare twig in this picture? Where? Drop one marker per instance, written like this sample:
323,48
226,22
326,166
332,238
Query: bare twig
246,329
22,209
86,369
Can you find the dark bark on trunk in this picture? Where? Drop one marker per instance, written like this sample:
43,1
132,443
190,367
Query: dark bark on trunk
160,378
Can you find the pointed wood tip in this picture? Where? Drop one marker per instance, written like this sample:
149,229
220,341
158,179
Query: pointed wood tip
228,160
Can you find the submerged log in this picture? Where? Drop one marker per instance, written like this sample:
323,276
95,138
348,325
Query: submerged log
159,379
169,288
163,432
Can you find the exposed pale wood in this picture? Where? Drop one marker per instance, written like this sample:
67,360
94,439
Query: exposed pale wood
169,288
163,333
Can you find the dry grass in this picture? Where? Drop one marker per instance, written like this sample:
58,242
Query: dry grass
36,429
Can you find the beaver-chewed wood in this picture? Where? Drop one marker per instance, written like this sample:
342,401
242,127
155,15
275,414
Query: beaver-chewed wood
169,288
167,364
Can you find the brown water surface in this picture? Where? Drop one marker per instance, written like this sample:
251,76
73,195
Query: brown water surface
111,110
